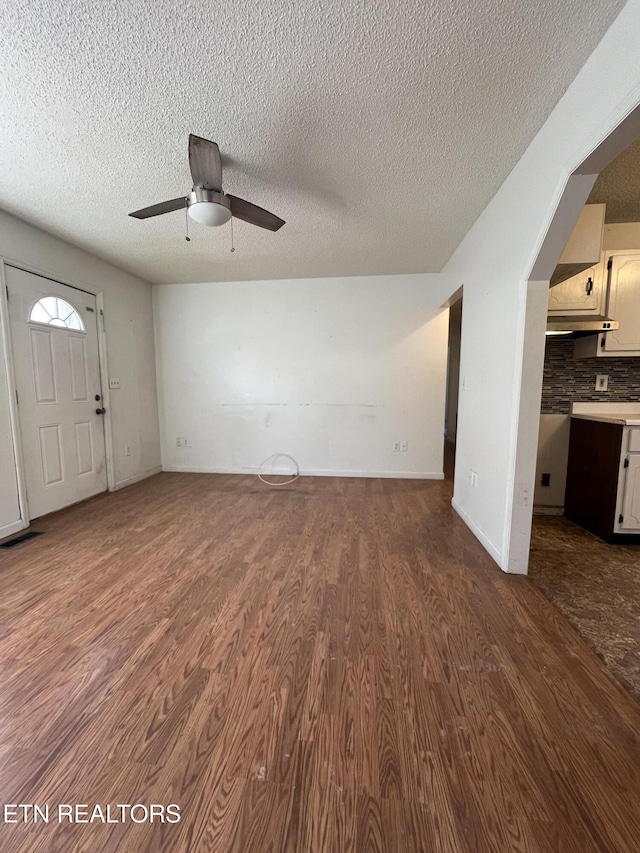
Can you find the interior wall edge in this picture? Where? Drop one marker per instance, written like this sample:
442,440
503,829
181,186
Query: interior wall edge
497,256
490,547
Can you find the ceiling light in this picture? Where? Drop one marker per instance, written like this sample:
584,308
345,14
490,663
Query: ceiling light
208,207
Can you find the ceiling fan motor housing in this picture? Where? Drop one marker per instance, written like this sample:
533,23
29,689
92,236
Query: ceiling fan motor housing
208,207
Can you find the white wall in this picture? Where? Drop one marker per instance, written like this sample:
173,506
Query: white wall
130,342
331,371
494,263
552,458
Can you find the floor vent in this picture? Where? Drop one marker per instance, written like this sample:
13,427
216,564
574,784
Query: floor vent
20,539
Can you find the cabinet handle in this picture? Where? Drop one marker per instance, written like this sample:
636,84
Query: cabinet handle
589,286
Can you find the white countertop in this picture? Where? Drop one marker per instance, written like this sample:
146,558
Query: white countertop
626,414
612,418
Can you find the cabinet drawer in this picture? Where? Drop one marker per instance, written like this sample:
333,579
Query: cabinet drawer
634,440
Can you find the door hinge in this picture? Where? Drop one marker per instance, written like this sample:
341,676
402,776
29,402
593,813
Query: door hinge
620,518
102,318
626,463
609,263
6,287
17,401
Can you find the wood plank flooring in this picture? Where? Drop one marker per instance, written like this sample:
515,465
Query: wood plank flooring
332,666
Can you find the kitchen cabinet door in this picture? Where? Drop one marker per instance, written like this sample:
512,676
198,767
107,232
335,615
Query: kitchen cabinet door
631,502
580,294
624,304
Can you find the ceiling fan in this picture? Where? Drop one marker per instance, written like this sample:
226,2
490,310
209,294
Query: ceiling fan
207,203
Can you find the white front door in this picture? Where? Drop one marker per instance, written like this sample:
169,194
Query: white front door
54,335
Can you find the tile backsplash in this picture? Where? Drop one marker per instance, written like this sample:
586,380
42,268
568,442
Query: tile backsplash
569,381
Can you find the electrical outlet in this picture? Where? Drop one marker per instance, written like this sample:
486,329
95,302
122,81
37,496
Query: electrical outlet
178,442
404,446
113,383
602,382
474,479
127,450
396,446
186,442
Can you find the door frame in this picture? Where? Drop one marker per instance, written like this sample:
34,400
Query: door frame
7,348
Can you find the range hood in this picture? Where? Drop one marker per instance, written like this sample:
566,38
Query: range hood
585,325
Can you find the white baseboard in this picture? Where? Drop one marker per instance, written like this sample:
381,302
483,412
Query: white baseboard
478,533
541,509
311,472
136,478
14,527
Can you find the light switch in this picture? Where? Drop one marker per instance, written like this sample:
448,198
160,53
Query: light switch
602,382
114,383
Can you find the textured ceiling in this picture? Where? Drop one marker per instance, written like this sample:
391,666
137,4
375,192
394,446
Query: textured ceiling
379,130
618,186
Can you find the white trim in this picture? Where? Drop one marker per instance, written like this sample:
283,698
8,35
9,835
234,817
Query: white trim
16,435
44,272
311,472
14,527
103,364
478,533
121,484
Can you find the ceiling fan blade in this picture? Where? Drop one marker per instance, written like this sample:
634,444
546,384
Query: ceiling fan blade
242,209
157,209
205,163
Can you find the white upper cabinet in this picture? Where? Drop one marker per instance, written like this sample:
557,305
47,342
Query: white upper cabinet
622,304
581,294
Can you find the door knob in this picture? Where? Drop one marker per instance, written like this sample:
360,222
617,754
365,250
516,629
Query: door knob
100,411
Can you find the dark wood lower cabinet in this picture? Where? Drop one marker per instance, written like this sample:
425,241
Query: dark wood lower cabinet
592,477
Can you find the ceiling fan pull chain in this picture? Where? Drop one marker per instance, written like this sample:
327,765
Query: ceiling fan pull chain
232,246
186,219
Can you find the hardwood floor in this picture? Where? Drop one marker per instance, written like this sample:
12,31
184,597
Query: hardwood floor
332,666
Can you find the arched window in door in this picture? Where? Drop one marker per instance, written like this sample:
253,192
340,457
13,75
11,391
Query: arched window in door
53,311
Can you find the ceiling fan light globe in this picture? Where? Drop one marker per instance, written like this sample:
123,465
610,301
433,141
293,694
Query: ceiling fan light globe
209,213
